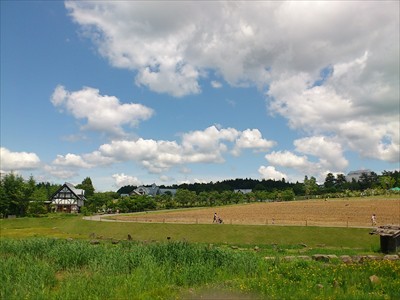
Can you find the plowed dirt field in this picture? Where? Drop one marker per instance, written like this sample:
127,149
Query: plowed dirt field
349,212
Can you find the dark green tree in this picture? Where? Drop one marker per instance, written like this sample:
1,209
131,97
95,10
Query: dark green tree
87,186
368,181
13,201
341,182
330,182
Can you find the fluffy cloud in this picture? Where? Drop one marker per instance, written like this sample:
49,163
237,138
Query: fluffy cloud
102,113
156,156
243,42
331,69
360,109
330,153
252,139
287,159
207,146
122,180
70,160
13,161
270,173
319,155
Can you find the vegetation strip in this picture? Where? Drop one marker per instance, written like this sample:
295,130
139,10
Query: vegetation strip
61,269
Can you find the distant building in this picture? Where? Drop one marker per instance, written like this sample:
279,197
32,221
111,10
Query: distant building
68,199
152,190
356,175
243,191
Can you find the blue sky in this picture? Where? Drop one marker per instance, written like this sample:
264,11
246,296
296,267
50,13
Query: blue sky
172,92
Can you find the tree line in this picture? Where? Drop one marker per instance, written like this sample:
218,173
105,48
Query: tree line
332,184
28,198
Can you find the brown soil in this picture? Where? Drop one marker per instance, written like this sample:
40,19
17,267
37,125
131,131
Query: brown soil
348,212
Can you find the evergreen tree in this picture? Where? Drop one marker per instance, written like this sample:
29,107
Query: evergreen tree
87,186
13,201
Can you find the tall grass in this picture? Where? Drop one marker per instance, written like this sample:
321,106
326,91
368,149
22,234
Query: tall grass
59,269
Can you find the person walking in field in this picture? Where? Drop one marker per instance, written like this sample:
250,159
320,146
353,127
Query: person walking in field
215,218
373,219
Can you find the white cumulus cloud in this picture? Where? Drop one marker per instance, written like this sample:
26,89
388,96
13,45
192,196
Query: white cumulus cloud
252,139
270,172
201,146
287,159
70,160
101,112
122,180
13,161
331,69
329,152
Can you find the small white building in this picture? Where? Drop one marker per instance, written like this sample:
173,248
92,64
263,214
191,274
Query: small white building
68,199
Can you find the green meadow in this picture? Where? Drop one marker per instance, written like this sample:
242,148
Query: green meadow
65,226
55,258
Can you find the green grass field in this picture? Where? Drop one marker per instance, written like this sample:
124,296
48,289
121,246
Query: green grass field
52,258
75,227
48,268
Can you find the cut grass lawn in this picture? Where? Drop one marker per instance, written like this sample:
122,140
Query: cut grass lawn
75,227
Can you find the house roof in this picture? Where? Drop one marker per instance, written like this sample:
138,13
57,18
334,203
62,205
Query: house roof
387,230
152,190
78,193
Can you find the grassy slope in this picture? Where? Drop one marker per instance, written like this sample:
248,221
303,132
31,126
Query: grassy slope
75,227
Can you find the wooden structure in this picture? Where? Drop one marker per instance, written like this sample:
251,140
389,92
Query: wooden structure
390,238
68,199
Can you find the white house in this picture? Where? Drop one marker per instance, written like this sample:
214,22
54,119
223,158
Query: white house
68,199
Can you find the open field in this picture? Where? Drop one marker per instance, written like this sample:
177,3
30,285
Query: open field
251,235
54,258
354,212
